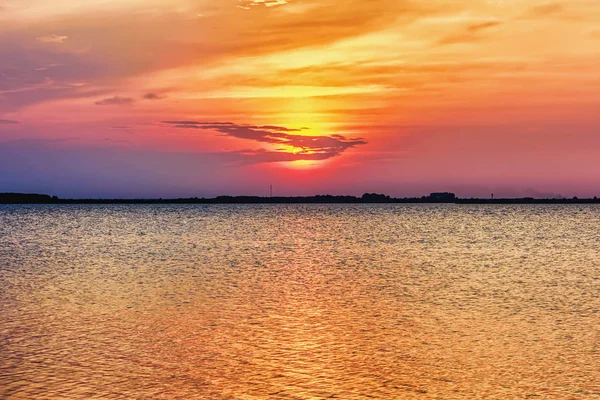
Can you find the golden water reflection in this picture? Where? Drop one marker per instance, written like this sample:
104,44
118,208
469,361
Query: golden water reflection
299,302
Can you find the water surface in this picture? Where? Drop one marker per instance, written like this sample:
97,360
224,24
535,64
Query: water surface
299,302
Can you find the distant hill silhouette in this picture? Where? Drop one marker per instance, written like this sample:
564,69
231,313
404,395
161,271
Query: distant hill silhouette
443,197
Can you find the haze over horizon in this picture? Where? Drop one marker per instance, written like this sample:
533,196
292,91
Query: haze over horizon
182,98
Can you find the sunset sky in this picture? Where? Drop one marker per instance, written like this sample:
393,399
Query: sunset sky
169,98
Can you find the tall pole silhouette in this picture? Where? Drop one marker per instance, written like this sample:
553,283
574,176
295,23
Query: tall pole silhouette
271,191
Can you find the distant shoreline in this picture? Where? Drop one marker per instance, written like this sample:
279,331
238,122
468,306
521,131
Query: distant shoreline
367,198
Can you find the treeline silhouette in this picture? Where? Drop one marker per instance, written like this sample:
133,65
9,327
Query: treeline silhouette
23,198
443,197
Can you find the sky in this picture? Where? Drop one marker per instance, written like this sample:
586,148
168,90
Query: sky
181,98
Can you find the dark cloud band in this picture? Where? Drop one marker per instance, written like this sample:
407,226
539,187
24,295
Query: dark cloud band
319,147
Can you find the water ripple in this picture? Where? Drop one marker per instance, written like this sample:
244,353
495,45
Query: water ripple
299,302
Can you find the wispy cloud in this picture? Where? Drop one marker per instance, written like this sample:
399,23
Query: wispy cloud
483,26
547,9
8,122
53,38
115,101
117,141
559,11
470,33
248,4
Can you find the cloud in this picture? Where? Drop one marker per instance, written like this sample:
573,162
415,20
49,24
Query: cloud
558,11
37,73
470,33
297,146
115,101
102,59
152,96
8,122
547,9
248,4
53,38
483,26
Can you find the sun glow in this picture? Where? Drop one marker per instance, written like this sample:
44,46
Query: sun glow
303,164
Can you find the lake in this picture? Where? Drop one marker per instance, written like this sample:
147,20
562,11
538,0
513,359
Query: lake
299,301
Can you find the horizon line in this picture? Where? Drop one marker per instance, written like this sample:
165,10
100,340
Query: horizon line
435,197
